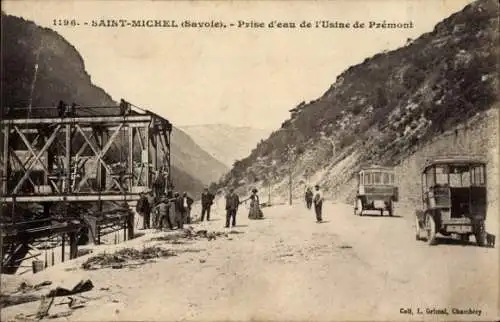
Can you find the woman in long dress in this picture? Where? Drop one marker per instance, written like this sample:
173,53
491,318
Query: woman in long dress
255,211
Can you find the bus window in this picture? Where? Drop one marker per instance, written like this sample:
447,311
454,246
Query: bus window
430,177
441,175
478,176
368,178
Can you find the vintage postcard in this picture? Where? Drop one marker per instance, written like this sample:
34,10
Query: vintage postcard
250,160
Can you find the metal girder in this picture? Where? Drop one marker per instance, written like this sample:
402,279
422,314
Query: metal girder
73,197
56,154
79,120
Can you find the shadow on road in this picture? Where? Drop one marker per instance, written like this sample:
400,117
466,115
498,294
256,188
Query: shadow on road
454,242
384,216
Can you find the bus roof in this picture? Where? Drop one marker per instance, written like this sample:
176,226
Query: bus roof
376,168
457,159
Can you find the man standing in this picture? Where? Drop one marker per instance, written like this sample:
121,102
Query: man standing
309,198
162,214
318,204
232,204
180,211
143,208
159,185
187,202
207,199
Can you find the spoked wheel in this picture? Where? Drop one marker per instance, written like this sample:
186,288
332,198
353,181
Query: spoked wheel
430,227
417,229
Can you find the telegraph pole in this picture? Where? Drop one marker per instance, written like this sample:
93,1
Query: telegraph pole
269,192
291,160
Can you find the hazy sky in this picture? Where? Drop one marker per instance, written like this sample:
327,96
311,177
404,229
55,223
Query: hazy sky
248,77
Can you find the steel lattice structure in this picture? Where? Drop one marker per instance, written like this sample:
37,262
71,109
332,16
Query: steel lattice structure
58,156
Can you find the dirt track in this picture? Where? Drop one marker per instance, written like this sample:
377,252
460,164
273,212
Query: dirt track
288,267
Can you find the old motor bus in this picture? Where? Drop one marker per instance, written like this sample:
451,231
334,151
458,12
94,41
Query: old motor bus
453,198
376,190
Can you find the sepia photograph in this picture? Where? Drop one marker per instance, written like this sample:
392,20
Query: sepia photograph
249,160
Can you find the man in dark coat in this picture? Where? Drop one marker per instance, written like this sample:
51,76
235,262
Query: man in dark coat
163,210
180,211
187,203
232,204
207,199
159,185
309,198
318,204
143,208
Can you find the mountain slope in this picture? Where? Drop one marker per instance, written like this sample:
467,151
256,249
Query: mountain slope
62,76
191,158
387,108
225,142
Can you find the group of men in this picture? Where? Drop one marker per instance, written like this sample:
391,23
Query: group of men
172,210
163,206
315,197
157,211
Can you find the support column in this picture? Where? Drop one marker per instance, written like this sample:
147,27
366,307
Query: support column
5,156
73,245
168,158
130,158
101,171
63,248
67,155
150,148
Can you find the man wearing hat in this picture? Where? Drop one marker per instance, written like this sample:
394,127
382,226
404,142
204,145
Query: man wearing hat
207,199
162,214
143,208
318,203
232,204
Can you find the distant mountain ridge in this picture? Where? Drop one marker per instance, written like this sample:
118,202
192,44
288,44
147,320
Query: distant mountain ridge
225,142
62,76
387,109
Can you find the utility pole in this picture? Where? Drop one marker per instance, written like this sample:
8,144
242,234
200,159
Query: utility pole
269,192
291,160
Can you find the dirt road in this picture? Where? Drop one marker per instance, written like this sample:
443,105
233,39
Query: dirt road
288,267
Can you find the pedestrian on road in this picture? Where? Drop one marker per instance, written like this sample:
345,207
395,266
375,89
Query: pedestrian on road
207,200
232,204
255,212
180,211
187,203
309,198
163,214
318,204
143,208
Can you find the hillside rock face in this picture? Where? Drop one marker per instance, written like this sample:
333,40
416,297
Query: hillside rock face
395,108
62,76
225,142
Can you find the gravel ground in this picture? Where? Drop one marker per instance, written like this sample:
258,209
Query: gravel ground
288,267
